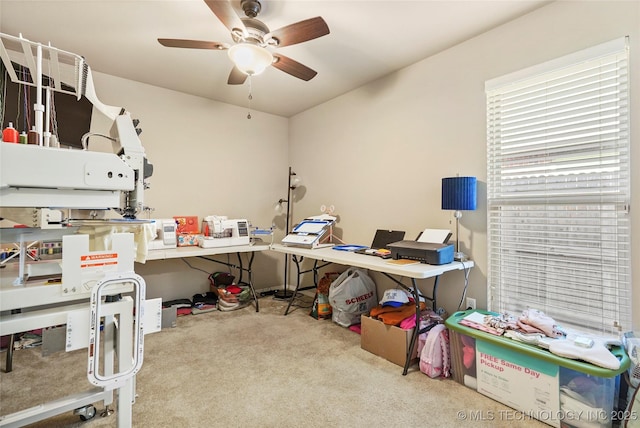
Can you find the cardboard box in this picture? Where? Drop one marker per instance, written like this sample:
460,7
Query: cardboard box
187,224
387,341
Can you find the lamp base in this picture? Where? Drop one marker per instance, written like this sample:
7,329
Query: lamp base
459,256
283,295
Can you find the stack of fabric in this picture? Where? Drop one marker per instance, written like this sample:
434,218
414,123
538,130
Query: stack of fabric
536,328
204,302
397,307
231,296
182,306
531,323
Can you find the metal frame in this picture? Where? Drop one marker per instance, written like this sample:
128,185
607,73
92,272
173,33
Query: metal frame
207,253
117,337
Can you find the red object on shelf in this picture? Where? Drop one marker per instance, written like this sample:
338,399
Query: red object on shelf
10,134
187,224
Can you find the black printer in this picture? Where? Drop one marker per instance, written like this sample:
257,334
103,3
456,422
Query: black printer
424,252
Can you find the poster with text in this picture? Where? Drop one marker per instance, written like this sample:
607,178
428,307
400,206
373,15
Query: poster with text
522,382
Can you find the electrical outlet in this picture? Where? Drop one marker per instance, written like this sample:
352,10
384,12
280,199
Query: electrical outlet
471,303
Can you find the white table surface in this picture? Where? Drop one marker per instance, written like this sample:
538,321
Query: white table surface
416,271
176,253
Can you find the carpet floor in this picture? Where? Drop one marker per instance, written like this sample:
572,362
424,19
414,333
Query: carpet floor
242,368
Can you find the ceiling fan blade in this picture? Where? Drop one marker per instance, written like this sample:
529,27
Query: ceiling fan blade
293,67
236,77
225,13
299,32
193,44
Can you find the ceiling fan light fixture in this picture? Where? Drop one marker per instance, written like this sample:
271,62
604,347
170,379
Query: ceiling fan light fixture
249,58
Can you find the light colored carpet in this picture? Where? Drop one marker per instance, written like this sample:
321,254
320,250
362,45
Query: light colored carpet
242,368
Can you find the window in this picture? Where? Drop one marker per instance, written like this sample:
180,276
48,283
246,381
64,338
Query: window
558,190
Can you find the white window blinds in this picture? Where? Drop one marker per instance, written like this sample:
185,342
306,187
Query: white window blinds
558,189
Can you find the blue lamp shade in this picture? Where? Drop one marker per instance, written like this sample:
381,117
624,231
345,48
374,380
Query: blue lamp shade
459,193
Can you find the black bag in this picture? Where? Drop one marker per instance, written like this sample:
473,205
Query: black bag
221,279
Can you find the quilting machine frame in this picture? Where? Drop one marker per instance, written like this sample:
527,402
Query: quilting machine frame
104,294
97,289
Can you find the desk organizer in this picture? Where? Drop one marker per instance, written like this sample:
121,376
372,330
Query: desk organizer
541,385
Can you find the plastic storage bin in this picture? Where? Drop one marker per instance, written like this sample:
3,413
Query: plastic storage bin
539,384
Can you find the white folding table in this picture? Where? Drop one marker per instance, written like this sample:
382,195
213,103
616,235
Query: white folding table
206,253
414,272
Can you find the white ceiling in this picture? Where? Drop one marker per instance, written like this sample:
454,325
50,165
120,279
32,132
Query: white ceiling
368,39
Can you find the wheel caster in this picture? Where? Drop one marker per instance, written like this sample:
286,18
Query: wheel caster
86,412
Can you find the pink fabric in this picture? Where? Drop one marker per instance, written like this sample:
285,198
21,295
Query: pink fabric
408,323
468,351
356,328
434,358
478,326
541,321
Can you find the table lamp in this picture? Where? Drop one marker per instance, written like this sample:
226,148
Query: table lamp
459,194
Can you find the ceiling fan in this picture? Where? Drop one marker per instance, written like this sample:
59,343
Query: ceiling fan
250,53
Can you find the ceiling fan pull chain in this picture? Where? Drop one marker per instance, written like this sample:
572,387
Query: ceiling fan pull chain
250,98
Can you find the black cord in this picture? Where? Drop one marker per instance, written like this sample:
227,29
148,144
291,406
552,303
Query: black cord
428,327
193,267
205,271
302,301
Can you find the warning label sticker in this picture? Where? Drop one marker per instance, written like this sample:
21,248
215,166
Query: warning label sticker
98,260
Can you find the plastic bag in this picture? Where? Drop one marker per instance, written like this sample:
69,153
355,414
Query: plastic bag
352,294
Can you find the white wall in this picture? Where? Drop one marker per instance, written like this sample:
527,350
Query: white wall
379,152
208,159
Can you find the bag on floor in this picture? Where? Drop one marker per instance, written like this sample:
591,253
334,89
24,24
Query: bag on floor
221,279
321,308
352,294
434,358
